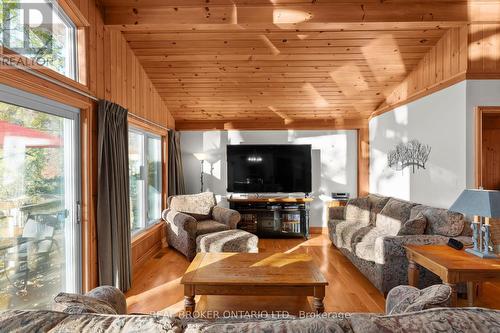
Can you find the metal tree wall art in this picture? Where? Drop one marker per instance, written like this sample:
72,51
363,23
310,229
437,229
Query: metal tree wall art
412,154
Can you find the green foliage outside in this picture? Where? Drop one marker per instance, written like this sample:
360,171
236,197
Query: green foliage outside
47,47
41,175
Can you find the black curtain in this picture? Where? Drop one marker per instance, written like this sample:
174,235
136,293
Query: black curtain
113,206
175,174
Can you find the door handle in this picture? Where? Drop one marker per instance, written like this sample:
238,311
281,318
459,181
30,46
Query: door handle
78,212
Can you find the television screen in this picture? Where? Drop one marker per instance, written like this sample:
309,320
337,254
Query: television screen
268,168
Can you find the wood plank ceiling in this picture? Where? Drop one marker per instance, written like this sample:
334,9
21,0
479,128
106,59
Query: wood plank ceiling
280,60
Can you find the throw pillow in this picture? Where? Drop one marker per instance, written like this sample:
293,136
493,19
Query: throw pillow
111,295
77,304
414,226
377,203
441,221
394,214
414,299
198,206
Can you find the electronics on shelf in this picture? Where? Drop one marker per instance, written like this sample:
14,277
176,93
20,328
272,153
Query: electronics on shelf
340,195
274,216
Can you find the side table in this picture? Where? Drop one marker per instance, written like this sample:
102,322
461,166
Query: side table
452,266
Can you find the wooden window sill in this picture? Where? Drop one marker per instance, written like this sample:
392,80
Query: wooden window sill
144,233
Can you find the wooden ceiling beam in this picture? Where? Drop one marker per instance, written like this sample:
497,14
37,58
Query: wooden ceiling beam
217,65
279,35
271,125
374,51
307,15
146,59
256,42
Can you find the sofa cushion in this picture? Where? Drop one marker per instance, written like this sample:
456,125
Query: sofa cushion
198,206
358,210
365,249
337,213
394,215
377,203
414,226
468,320
410,299
440,221
77,304
308,324
24,321
27,321
209,226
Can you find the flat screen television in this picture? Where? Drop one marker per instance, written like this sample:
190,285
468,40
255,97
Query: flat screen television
268,168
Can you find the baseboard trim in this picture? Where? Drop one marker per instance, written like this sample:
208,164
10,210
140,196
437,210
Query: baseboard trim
318,230
146,245
144,257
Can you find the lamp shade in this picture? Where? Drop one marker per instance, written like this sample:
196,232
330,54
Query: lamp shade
201,156
478,203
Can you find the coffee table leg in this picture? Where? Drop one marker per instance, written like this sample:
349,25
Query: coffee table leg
319,295
412,273
453,287
189,302
318,305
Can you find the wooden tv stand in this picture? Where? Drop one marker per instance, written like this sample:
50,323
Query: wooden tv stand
273,217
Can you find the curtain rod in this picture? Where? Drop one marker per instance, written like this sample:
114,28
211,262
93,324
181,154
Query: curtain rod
152,123
78,91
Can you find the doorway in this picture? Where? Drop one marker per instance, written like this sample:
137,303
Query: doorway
39,200
488,157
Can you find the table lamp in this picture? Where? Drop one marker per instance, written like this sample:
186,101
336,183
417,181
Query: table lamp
483,205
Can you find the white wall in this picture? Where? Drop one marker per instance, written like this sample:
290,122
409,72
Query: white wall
334,161
446,121
438,120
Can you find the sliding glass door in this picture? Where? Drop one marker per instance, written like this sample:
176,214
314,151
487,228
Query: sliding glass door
39,200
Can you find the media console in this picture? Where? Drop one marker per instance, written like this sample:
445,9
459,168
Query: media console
273,217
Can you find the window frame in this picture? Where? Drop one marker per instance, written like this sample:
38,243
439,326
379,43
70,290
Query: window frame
75,74
74,61
145,223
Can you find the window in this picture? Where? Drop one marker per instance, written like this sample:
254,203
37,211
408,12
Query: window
39,196
145,172
40,31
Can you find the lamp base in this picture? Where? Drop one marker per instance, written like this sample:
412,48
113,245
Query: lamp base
489,255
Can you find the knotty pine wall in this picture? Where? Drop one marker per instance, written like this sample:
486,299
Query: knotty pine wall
468,52
484,51
445,64
114,73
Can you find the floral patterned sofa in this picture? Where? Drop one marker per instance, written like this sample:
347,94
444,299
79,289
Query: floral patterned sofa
372,231
408,309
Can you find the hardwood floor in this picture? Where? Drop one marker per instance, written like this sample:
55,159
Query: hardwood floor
156,286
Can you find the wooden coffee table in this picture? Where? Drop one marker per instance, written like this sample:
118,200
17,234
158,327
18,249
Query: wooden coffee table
452,266
253,274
